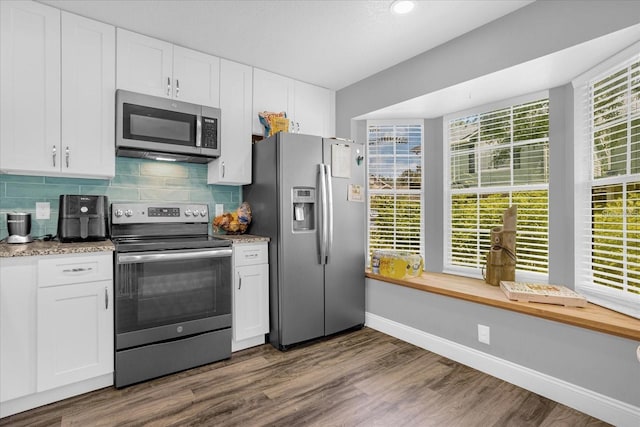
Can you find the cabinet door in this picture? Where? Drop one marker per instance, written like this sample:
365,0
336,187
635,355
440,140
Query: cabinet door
236,89
251,301
17,327
196,77
313,112
30,87
75,333
88,101
144,64
271,92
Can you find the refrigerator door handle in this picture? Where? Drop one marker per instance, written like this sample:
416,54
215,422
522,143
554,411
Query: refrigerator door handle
329,233
323,213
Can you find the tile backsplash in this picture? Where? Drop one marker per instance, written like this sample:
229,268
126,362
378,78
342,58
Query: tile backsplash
135,180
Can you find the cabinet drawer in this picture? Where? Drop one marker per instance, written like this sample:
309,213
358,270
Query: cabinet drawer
250,254
68,269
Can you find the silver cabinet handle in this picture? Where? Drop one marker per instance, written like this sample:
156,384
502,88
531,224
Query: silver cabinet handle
177,88
77,270
240,277
168,86
66,155
53,154
106,298
223,169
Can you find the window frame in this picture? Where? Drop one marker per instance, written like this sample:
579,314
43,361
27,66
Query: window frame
421,192
618,300
448,267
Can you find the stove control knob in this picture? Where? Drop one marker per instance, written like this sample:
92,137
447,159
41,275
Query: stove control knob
128,213
196,212
118,213
203,213
187,212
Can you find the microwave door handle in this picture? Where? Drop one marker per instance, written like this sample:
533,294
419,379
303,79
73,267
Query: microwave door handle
199,131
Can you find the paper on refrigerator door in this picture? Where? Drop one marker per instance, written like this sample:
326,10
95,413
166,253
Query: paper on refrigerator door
340,161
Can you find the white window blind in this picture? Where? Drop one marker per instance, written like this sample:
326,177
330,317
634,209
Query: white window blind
394,166
609,272
496,159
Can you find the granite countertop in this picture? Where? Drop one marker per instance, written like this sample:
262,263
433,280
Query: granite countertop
39,247
242,238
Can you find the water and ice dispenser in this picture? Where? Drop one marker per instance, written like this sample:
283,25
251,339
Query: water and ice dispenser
303,205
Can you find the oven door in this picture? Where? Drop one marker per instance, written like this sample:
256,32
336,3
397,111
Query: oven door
165,295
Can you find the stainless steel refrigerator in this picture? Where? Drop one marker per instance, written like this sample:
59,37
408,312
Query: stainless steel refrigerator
308,196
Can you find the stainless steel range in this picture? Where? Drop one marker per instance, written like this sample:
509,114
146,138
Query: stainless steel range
172,290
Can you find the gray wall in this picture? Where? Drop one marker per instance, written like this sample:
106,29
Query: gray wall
538,29
599,362
596,361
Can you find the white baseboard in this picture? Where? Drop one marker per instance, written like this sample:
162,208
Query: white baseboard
584,400
249,342
35,400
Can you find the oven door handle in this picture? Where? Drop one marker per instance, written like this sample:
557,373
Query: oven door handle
140,257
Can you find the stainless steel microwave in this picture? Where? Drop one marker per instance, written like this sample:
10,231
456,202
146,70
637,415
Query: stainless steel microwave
165,129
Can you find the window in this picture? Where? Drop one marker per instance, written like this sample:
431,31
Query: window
608,201
496,159
394,167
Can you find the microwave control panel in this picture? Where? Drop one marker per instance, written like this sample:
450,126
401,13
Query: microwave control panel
209,132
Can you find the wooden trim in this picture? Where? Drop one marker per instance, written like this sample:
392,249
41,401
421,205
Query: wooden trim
591,317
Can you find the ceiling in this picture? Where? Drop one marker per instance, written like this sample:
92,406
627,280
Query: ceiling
335,43
327,43
543,73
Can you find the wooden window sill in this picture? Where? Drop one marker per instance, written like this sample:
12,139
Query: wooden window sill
591,317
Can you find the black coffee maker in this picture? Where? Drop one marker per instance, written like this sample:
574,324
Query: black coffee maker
83,218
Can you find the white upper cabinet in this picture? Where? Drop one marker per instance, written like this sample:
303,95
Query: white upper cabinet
233,167
196,77
57,103
30,87
271,92
145,64
311,109
152,66
314,108
88,101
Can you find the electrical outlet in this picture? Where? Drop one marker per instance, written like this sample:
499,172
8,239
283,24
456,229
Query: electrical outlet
484,334
43,210
219,209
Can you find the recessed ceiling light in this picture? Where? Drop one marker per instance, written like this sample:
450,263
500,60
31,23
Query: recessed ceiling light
400,7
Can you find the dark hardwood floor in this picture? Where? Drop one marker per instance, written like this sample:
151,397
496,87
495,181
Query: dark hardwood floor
364,378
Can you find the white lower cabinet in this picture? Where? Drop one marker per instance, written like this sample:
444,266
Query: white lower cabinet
250,295
56,328
18,287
